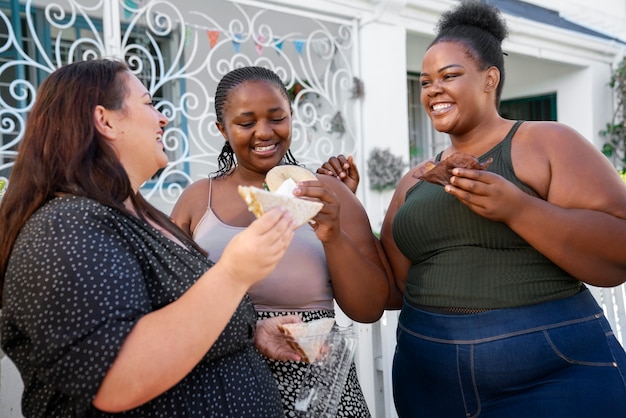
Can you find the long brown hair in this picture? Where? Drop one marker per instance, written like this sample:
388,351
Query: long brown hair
63,153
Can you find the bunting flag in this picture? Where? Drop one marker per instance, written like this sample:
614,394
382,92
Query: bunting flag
213,35
237,37
259,45
278,44
299,44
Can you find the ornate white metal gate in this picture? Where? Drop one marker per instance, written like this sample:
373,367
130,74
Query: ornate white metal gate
180,50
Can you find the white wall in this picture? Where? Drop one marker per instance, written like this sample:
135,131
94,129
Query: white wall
385,118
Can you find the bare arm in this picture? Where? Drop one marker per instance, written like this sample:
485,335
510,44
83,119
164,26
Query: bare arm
398,262
360,281
177,336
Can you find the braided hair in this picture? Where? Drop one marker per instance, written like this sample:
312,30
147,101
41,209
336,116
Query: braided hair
481,28
226,158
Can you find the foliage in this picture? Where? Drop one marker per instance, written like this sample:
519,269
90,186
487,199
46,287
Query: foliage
3,184
615,133
384,169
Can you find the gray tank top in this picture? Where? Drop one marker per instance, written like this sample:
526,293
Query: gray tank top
462,260
300,282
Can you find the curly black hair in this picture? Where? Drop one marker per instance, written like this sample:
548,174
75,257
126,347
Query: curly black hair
481,28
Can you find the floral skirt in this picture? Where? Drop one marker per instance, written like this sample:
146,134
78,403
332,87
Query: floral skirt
289,375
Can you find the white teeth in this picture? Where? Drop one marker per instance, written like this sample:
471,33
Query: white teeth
441,106
261,149
159,137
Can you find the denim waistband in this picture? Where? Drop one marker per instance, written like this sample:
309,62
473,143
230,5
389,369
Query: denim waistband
499,323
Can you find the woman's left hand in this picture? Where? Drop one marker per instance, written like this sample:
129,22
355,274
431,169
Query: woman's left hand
271,342
487,194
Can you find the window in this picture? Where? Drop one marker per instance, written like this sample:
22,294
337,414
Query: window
21,76
530,108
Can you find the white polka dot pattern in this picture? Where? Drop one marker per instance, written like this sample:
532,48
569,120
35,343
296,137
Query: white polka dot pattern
80,276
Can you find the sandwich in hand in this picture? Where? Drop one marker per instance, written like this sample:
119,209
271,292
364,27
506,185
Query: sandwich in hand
441,171
308,338
281,180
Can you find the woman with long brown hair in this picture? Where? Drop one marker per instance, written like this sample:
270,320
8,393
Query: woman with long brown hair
108,307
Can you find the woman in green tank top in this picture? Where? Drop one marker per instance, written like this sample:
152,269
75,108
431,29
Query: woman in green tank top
491,268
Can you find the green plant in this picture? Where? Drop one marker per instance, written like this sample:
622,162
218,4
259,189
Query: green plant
615,133
384,169
3,184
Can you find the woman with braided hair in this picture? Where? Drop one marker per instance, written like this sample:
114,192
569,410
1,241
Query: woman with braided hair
335,258
496,319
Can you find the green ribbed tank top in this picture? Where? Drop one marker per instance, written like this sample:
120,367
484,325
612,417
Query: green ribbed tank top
462,260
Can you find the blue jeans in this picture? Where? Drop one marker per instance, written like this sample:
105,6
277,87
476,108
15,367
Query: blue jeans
553,359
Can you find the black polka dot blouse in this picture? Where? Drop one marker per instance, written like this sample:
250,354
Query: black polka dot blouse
80,276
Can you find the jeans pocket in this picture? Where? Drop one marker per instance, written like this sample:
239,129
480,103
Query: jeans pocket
584,343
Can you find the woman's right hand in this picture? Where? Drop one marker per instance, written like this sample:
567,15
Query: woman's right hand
271,342
343,168
254,253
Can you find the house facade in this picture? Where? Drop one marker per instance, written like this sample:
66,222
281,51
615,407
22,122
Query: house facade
351,67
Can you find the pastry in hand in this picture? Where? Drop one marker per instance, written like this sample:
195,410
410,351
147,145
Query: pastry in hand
281,180
440,172
308,338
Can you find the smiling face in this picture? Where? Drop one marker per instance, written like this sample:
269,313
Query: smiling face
257,123
455,92
135,132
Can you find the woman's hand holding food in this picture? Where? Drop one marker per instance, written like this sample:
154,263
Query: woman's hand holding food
487,194
261,245
271,342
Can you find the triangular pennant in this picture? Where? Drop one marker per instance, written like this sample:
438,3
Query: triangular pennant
259,45
299,44
237,42
278,44
213,35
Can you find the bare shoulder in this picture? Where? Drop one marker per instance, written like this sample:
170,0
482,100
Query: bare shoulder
550,135
197,189
195,195
565,167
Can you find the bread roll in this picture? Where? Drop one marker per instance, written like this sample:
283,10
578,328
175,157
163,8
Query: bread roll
277,175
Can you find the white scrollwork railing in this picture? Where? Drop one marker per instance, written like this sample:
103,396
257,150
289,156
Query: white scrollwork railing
181,50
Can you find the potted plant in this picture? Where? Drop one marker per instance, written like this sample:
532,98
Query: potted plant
384,169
